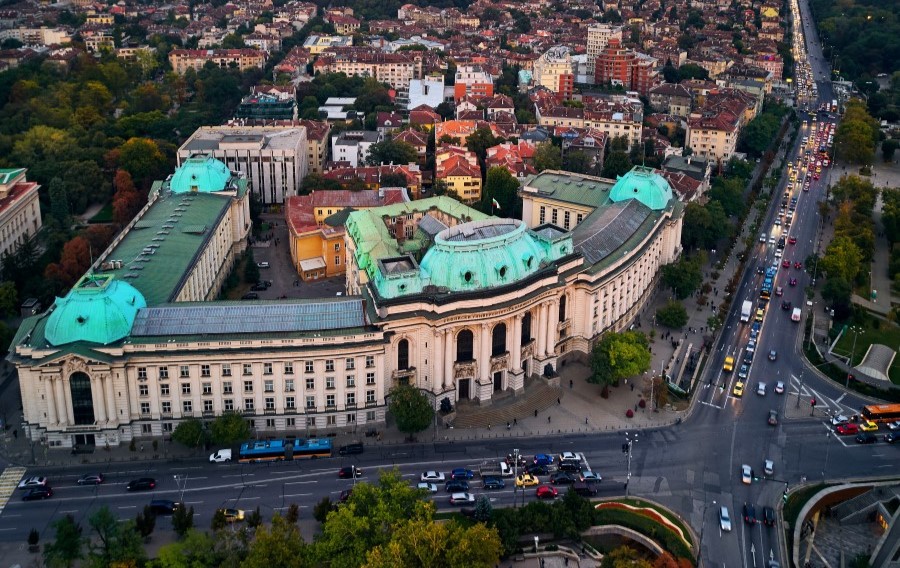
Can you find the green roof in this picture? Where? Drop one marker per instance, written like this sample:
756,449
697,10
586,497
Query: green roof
200,174
645,185
98,309
9,174
578,189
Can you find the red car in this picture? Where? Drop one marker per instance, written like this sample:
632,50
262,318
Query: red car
785,263
349,472
847,429
546,492
792,240
792,281
798,265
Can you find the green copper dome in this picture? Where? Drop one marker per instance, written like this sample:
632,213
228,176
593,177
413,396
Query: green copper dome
643,184
487,254
200,174
98,309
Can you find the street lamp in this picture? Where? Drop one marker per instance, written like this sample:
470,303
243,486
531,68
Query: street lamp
855,331
516,476
630,440
827,451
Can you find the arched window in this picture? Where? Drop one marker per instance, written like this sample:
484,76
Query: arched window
464,346
498,340
82,402
562,308
403,355
526,328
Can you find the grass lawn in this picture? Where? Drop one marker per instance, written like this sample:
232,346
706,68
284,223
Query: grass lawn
887,334
664,512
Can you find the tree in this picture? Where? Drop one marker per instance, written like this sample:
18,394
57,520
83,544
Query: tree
279,544
616,164
391,152
113,543
126,200
218,520
59,202
842,259
483,509
183,520
228,428
480,140
757,136
9,299
410,409
624,557
729,192
393,180
888,147
576,161
190,433
423,542
67,547
293,514
254,519
683,277
704,225
547,156
670,73
672,315
692,71
617,356
142,158
837,293
145,522
322,508
502,186
196,550
75,260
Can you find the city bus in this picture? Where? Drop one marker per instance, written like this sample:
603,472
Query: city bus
279,450
312,448
882,412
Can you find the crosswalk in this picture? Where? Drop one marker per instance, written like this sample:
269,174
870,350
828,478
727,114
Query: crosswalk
9,480
823,403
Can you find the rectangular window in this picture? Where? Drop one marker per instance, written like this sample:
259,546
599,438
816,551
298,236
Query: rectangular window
184,371
350,363
351,381
289,385
289,402
267,368
142,372
370,396
207,388
329,365
351,398
163,372
166,407
308,366
370,378
270,422
331,421
370,361
543,216
146,428
164,389
226,387
204,371
145,408
337,247
226,369
185,388
310,384
248,369
329,400
566,220
310,402
553,216
228,404
310,421
578,218
187,406
269,386
143,390
370,416
207,406
167,427
329,382
248,404
337,260
288,368
270,403
248,386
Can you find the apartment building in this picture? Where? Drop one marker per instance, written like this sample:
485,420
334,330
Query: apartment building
553,70
619,66
20,210
598,38
395,69
183,59
713,134
352,146
472,80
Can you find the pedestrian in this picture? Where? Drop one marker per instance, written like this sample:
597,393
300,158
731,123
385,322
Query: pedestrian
489,426
585,420
571,383
535,412
515,422
558,401
508,425
548,420
16,434
142,447
632,387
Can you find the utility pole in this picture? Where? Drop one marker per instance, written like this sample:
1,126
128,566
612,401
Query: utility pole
630,440
855,331
798,391
515,477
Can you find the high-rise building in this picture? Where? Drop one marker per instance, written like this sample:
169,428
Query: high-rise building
620,66
598,38
553,70
472,80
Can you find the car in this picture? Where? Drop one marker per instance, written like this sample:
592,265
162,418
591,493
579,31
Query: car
462,473
569,456
461,498
546,492
493,483
868,426
569,465
773,418
349,472
32,482
456,486
37,493
543,459
510,460
526,480
894,425
590,477
351,449
786,305
262,264
777,222
798,265
768,517
760,314
141,484
846,429
724,519
769,467
744,371
785,263
755,327
584,489
839,419
750,514
250,296
562,478
866,438
779,291
779,387
728,365
164,506
748,358
432,476
751,345
537,469
425,486
761,389
891,437
773,355
259,287
738,389
762,238
746,474
792,240
91,479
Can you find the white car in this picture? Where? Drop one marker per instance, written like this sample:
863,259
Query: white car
461,498
761,389
569,456
769,467
588,476
432,476
839,419
33,482
746,474
893,425
430,487
724,519
779,387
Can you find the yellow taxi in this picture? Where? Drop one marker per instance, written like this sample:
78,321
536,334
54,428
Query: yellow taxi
729,364
738,389
526,480
868,426
760,314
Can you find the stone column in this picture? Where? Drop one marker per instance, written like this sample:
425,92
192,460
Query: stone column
58,388
97,399
484,359
516,348
438,361
541,335
67,393
110,398
449,357
552,319
51,400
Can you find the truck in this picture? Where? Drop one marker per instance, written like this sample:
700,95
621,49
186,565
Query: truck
495,469
220,456
746,311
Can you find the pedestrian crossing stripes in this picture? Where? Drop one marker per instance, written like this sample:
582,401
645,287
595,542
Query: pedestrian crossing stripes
9,480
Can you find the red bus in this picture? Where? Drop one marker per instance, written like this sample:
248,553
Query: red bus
882,412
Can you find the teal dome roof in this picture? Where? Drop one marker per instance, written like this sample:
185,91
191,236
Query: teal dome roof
487,254
98,309
200,174
643,184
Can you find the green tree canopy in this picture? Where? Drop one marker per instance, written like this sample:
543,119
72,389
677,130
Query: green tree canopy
279,544
617,163
391,152
229,428
704,225
503,187
842,259
410,409
672,315
547,156
113,543
617,356
683,277
190,433
67,547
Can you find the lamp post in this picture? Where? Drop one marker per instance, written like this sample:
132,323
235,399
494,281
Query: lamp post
516,477
798,391
855,331
827,451
630,440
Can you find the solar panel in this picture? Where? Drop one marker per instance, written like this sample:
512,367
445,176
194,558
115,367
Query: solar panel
249,318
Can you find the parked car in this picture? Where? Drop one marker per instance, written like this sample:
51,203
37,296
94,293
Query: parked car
546,492
37,493
91,479
250,296
724,519
262,264
141,484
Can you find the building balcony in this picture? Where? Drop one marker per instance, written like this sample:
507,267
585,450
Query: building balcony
269,411
500,362
164,415
330,407
209,413
372,404
464,370
187,414
404,375
251,412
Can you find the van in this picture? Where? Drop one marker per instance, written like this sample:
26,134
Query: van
795,315
351,449
220,456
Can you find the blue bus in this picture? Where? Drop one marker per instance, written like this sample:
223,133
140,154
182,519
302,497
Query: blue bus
312,448
256,451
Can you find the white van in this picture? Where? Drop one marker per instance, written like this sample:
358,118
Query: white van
220,456
795,315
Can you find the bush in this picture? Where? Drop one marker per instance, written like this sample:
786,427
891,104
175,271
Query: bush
672,315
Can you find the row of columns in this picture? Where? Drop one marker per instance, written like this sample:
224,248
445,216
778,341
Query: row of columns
59,400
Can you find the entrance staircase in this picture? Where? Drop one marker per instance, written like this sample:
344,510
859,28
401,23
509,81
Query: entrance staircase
538,395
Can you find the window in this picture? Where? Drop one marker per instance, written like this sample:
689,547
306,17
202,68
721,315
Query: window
329,365
309,366
270,422
370,416
248,404
370,378
166,407
350,363
185,388
289,385
351,381
267,368
204,371
464,345
228,404
226,387
553,216
269,386
370,361
270,403
331,421
164,389
288,368
207,388
329,382
370,396
310,402
543,216
184,371
167,427
187,406
207,406
248,386
566,220
403,355
146,428
351,419
310,422
310,384
290,422
289,402
163,372
142,373
329,400
337,247
248,369
226,369
143,390
351,398
337,260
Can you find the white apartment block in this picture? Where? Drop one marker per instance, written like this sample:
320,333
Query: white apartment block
597,40
353,146
20,210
